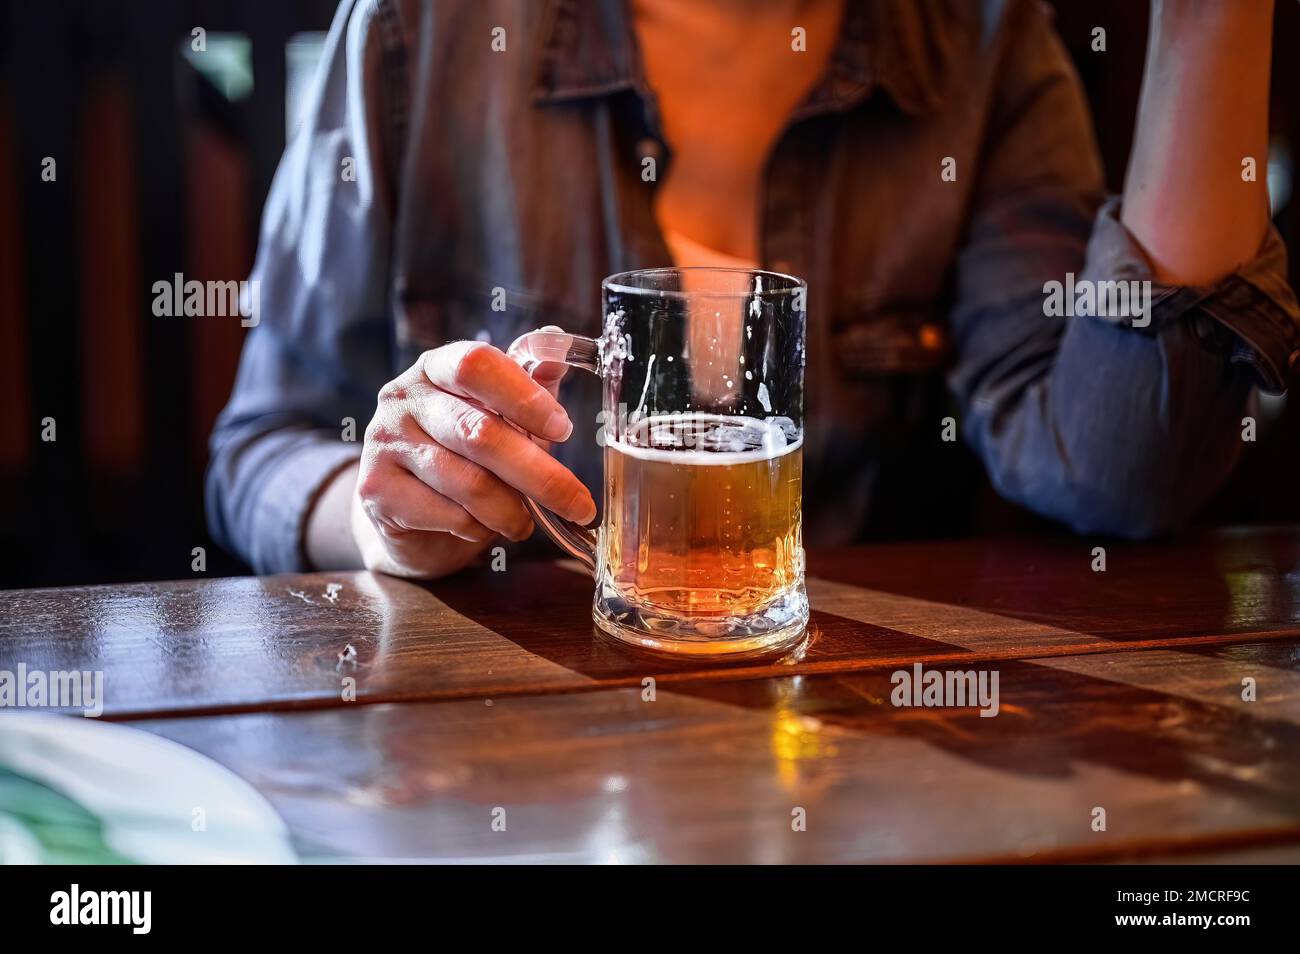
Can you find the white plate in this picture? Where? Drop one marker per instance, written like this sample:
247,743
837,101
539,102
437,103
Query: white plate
157,801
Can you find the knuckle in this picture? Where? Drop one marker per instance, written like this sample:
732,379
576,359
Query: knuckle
392,529
473,363
379,431
462,524
426,363
380,517
432,461
369,486
476,431
537,404
522,523
476,482
386,455
554,487
392,392
419,457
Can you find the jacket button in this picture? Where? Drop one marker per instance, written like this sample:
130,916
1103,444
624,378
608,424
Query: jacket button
931,337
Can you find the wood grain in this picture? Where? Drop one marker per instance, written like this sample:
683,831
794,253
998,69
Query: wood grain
249,644
712,771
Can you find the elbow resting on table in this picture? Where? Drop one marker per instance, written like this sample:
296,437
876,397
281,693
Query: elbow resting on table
1136,515
1138,477
1143,504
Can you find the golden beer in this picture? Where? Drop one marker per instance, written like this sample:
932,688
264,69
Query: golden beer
703,514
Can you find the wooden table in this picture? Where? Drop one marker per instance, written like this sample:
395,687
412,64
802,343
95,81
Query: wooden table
1120,689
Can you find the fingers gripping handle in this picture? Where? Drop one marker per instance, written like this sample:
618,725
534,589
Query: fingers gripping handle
530,350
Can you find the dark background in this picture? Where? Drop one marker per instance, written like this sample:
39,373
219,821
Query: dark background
160,171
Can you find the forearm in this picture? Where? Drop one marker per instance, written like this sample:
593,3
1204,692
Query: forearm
1203,110
260,483
1134,452
328,539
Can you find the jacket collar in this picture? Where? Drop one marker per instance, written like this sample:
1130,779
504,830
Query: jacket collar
587,49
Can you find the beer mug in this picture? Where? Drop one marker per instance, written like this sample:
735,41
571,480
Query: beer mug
699,550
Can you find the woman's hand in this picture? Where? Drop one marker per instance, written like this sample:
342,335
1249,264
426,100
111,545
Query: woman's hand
454,444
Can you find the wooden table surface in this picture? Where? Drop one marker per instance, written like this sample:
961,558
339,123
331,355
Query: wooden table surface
1119,689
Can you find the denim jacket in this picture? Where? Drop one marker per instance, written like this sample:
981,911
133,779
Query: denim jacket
936,179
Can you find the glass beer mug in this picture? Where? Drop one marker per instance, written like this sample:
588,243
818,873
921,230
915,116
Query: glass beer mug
699,550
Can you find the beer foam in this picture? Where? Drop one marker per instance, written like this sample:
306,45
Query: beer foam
709,439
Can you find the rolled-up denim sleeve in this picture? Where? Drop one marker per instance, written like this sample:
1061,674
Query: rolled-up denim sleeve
1117,425
1251,316
321,348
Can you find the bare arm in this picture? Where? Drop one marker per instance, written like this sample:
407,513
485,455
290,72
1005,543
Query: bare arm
1204,108
329,542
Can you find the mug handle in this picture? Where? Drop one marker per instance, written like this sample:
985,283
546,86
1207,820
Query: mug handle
530,350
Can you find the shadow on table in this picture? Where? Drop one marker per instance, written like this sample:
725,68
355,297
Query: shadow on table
545,609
